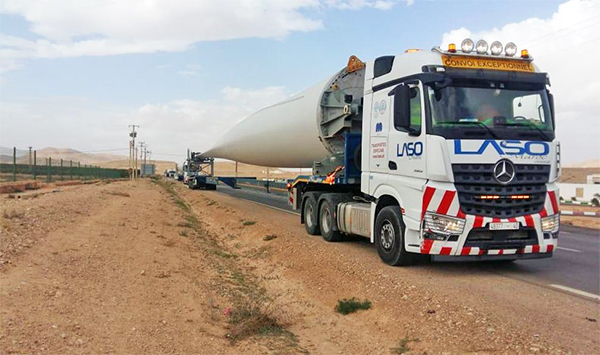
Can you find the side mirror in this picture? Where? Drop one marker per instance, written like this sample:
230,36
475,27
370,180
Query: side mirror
551,101
402,96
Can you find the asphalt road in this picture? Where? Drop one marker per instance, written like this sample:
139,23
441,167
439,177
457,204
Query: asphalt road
574,268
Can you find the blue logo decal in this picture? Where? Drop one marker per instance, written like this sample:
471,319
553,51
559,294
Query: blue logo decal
509,147
378,127
410,149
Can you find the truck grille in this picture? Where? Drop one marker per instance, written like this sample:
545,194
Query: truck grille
474,180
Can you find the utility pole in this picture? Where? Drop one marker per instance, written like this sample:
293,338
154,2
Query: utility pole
132,152
30,159
142,148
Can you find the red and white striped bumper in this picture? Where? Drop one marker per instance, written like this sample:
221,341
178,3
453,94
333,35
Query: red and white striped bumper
445,202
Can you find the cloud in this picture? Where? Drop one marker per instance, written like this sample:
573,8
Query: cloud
567,46
74,28
168,128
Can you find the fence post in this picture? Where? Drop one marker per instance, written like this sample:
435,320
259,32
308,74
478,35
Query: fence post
78,170
34,164
71,169
49,172
62,173
14,163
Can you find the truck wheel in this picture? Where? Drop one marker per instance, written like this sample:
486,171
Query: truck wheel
389,237
326,216
310,215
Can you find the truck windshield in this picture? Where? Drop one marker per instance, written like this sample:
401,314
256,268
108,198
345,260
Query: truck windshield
490,111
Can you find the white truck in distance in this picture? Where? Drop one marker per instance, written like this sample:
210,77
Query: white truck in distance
448,153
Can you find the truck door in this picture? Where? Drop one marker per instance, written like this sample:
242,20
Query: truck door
406,137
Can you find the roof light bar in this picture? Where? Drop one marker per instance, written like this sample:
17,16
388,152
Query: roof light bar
496,48
481,47
510,49
467,45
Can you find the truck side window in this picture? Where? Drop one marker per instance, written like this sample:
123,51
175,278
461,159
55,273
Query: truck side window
415,108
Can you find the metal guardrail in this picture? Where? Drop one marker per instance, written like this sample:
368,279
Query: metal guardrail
265,185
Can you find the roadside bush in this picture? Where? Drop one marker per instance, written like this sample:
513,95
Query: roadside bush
351,305
254,317
403,345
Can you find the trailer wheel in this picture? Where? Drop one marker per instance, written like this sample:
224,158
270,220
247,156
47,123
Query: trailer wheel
389,237
311,223
326,216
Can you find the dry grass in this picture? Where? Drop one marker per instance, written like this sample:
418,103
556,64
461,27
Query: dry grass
13,214
403,346
254,317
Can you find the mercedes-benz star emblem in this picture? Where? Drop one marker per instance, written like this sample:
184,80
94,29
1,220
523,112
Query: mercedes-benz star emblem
504,171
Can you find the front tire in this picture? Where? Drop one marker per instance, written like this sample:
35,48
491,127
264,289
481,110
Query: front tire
328,221
310,215
389,237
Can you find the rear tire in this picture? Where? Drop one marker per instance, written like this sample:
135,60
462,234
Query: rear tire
311,223
328,221
389,237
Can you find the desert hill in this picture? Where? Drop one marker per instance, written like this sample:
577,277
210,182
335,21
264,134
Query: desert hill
57,154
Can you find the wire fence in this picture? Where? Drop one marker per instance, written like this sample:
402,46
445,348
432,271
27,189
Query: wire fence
21,165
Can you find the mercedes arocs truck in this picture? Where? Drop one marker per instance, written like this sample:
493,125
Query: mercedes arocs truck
449,153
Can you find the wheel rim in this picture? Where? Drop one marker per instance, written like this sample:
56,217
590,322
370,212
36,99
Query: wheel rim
387,235
325,223
309,215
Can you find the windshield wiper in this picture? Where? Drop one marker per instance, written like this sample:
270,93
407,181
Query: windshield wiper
528,124
479,124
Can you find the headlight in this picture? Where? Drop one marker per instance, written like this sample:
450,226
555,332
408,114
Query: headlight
438,224
551,224
510,50
467,45
496,48
481,47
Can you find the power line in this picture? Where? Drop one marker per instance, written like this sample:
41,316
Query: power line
562,29
566,50
564,34
103,150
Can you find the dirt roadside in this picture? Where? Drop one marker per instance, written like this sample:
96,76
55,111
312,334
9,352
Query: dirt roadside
140,268
450,308
123,268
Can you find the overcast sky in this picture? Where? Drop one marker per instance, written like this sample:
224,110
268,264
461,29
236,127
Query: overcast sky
74,74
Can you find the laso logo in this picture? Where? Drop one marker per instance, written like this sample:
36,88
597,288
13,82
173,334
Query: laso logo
510,147
378,127
409,149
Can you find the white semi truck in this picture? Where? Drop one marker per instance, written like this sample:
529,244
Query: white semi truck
447,153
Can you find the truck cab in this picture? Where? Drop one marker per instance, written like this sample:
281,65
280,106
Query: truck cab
465,145
459,159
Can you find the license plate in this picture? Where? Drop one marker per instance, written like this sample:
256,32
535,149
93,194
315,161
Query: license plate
504,226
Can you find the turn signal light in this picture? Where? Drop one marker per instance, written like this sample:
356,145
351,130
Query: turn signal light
489,197
452,48
520,197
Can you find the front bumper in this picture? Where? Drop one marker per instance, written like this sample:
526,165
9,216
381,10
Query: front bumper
528,239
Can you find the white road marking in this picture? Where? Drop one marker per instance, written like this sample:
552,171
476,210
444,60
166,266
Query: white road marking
577,292
569,249
561,232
